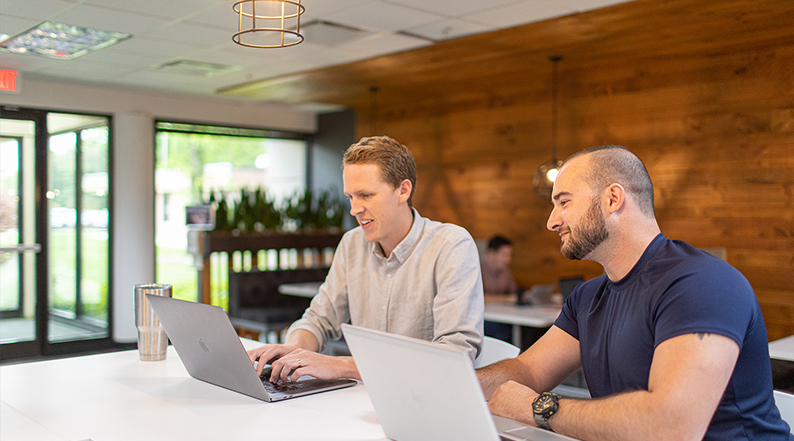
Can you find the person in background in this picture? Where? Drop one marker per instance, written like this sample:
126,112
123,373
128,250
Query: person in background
496,275
498,282
671,339
396,272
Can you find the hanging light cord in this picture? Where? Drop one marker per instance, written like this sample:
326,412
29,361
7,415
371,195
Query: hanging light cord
555,60
373,109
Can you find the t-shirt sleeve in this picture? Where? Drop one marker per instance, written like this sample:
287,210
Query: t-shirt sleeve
567,320
715,299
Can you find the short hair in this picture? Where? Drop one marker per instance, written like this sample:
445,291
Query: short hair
394,159
616,164
497,242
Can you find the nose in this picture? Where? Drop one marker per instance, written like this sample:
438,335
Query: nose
355,208
554,221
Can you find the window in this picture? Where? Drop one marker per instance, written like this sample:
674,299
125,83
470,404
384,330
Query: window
194,163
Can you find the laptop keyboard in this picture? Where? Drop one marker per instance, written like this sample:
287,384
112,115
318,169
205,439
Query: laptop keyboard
283,387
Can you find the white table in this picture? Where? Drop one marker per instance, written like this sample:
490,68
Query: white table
510,313
521,315
116,396
782,349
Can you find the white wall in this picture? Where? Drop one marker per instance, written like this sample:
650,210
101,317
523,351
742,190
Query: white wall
134,114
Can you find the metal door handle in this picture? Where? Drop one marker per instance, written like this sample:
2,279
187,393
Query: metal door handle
36,247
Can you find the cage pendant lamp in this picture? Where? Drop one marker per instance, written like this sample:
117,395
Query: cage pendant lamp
268,23
543,183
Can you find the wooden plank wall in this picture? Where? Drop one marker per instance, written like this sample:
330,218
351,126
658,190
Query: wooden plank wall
714,124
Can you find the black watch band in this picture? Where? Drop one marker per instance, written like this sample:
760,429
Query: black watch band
544,406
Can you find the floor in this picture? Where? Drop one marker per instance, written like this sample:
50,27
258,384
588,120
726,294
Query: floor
21,329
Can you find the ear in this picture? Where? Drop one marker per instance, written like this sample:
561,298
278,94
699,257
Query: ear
615,196
405,190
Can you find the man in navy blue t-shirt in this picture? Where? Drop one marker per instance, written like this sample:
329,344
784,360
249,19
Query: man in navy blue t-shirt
671,340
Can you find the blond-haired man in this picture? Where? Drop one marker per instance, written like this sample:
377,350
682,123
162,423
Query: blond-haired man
396,272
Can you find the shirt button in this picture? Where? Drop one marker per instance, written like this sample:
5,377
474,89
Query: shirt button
388,275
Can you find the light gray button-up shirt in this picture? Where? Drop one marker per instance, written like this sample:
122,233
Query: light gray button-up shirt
429,288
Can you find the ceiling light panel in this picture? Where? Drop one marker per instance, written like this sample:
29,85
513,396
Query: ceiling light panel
62,41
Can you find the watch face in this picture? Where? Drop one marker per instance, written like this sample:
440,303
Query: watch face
542,403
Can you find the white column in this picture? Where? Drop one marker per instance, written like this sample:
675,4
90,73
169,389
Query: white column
133,222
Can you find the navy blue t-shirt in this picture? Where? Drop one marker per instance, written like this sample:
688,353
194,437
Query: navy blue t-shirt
676,289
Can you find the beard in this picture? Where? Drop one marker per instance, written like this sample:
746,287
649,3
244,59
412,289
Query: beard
589,235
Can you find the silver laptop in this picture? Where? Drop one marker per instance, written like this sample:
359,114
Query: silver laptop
423,391
211,351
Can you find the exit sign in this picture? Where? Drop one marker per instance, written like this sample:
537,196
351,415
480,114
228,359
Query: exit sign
8,80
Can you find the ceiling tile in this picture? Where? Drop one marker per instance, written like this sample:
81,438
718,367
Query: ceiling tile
168,9
221,16
109,19
190,34
446,29
39,10
457,8
121,57
527,11
584,5
383,16
155,48
13,26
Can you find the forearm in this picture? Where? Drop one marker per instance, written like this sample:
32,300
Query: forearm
494,375
303,339
628,416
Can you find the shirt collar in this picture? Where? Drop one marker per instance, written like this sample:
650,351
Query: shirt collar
404,248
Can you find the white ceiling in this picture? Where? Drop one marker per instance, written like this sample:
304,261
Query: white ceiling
201,30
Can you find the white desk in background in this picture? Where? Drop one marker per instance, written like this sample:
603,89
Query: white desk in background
521,315
500,312
117,397
782,349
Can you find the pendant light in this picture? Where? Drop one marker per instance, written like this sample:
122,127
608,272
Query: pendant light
268,23
545,175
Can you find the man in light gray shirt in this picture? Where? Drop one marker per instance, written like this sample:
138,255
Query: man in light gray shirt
397,272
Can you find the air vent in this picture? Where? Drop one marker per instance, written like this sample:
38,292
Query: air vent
195,68
327,33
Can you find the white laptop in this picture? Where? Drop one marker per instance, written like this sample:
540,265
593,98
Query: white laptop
211,351
421,391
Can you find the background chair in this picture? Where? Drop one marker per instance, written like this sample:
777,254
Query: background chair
494,350
785,403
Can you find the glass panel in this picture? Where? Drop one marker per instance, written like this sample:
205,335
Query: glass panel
10,293
78,200
191,166
17,227
62,205
94,220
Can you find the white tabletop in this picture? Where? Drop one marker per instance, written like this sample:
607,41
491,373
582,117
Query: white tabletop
116,396
524,315
782,349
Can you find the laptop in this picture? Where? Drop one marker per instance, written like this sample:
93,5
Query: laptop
567,285
212,352
423,391
539,295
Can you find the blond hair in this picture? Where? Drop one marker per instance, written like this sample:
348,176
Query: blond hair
394,159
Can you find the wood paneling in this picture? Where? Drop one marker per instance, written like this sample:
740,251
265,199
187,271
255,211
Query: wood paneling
703,92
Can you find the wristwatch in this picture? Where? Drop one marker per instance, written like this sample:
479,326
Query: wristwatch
544,406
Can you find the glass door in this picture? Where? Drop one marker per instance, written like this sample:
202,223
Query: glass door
54,232
22,238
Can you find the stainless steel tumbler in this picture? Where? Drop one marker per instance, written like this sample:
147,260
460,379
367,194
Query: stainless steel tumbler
152,340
